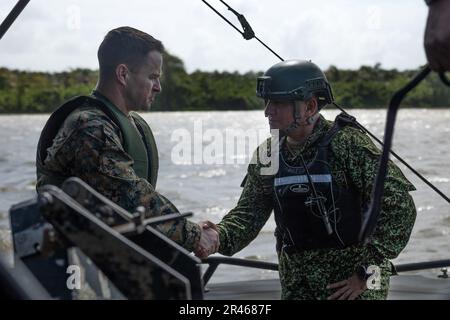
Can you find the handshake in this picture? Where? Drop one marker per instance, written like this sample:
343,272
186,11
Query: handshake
209,240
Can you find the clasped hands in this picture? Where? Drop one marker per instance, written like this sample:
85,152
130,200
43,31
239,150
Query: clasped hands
209,240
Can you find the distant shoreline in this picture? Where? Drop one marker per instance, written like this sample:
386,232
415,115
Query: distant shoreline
28,92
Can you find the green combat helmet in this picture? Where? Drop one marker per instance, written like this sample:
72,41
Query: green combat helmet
294,80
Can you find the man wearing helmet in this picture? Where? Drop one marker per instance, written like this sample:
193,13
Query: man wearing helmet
319,194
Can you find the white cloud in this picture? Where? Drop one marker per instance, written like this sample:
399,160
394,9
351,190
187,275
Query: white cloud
58,35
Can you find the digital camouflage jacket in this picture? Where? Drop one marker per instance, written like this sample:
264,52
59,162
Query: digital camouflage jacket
353,159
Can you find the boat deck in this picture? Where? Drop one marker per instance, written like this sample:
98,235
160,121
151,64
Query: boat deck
403,287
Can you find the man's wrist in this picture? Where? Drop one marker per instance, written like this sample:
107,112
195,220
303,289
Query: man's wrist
361,272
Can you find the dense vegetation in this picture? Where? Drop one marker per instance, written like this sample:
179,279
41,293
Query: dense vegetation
367,87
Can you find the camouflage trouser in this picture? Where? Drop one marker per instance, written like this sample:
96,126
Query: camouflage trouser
305,279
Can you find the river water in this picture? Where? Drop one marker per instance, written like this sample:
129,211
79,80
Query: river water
209,186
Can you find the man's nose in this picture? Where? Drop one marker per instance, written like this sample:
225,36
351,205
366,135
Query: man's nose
157,86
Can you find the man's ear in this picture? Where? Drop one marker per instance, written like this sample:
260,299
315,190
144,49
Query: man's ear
122,74
312,107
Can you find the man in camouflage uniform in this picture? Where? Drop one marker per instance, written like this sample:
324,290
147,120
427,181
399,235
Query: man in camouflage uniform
100,139
317,230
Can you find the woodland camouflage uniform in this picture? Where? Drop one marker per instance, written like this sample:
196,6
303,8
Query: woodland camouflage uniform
89,145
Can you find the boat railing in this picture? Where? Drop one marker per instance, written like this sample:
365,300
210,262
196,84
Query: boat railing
214,262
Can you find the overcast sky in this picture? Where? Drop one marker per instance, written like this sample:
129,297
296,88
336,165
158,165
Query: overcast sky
54,35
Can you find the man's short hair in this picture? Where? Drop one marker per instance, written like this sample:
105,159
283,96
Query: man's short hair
125,45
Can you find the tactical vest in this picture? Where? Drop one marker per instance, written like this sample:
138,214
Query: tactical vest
300,223
139,144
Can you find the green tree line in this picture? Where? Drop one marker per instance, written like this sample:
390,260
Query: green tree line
366,87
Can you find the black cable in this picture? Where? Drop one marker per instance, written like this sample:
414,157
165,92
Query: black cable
317,200
220,15
12,16
432,186
248,32
269,49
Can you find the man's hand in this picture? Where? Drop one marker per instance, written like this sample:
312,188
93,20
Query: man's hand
349,289
437,36
209,240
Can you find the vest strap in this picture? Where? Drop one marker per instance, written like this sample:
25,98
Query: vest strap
139,141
